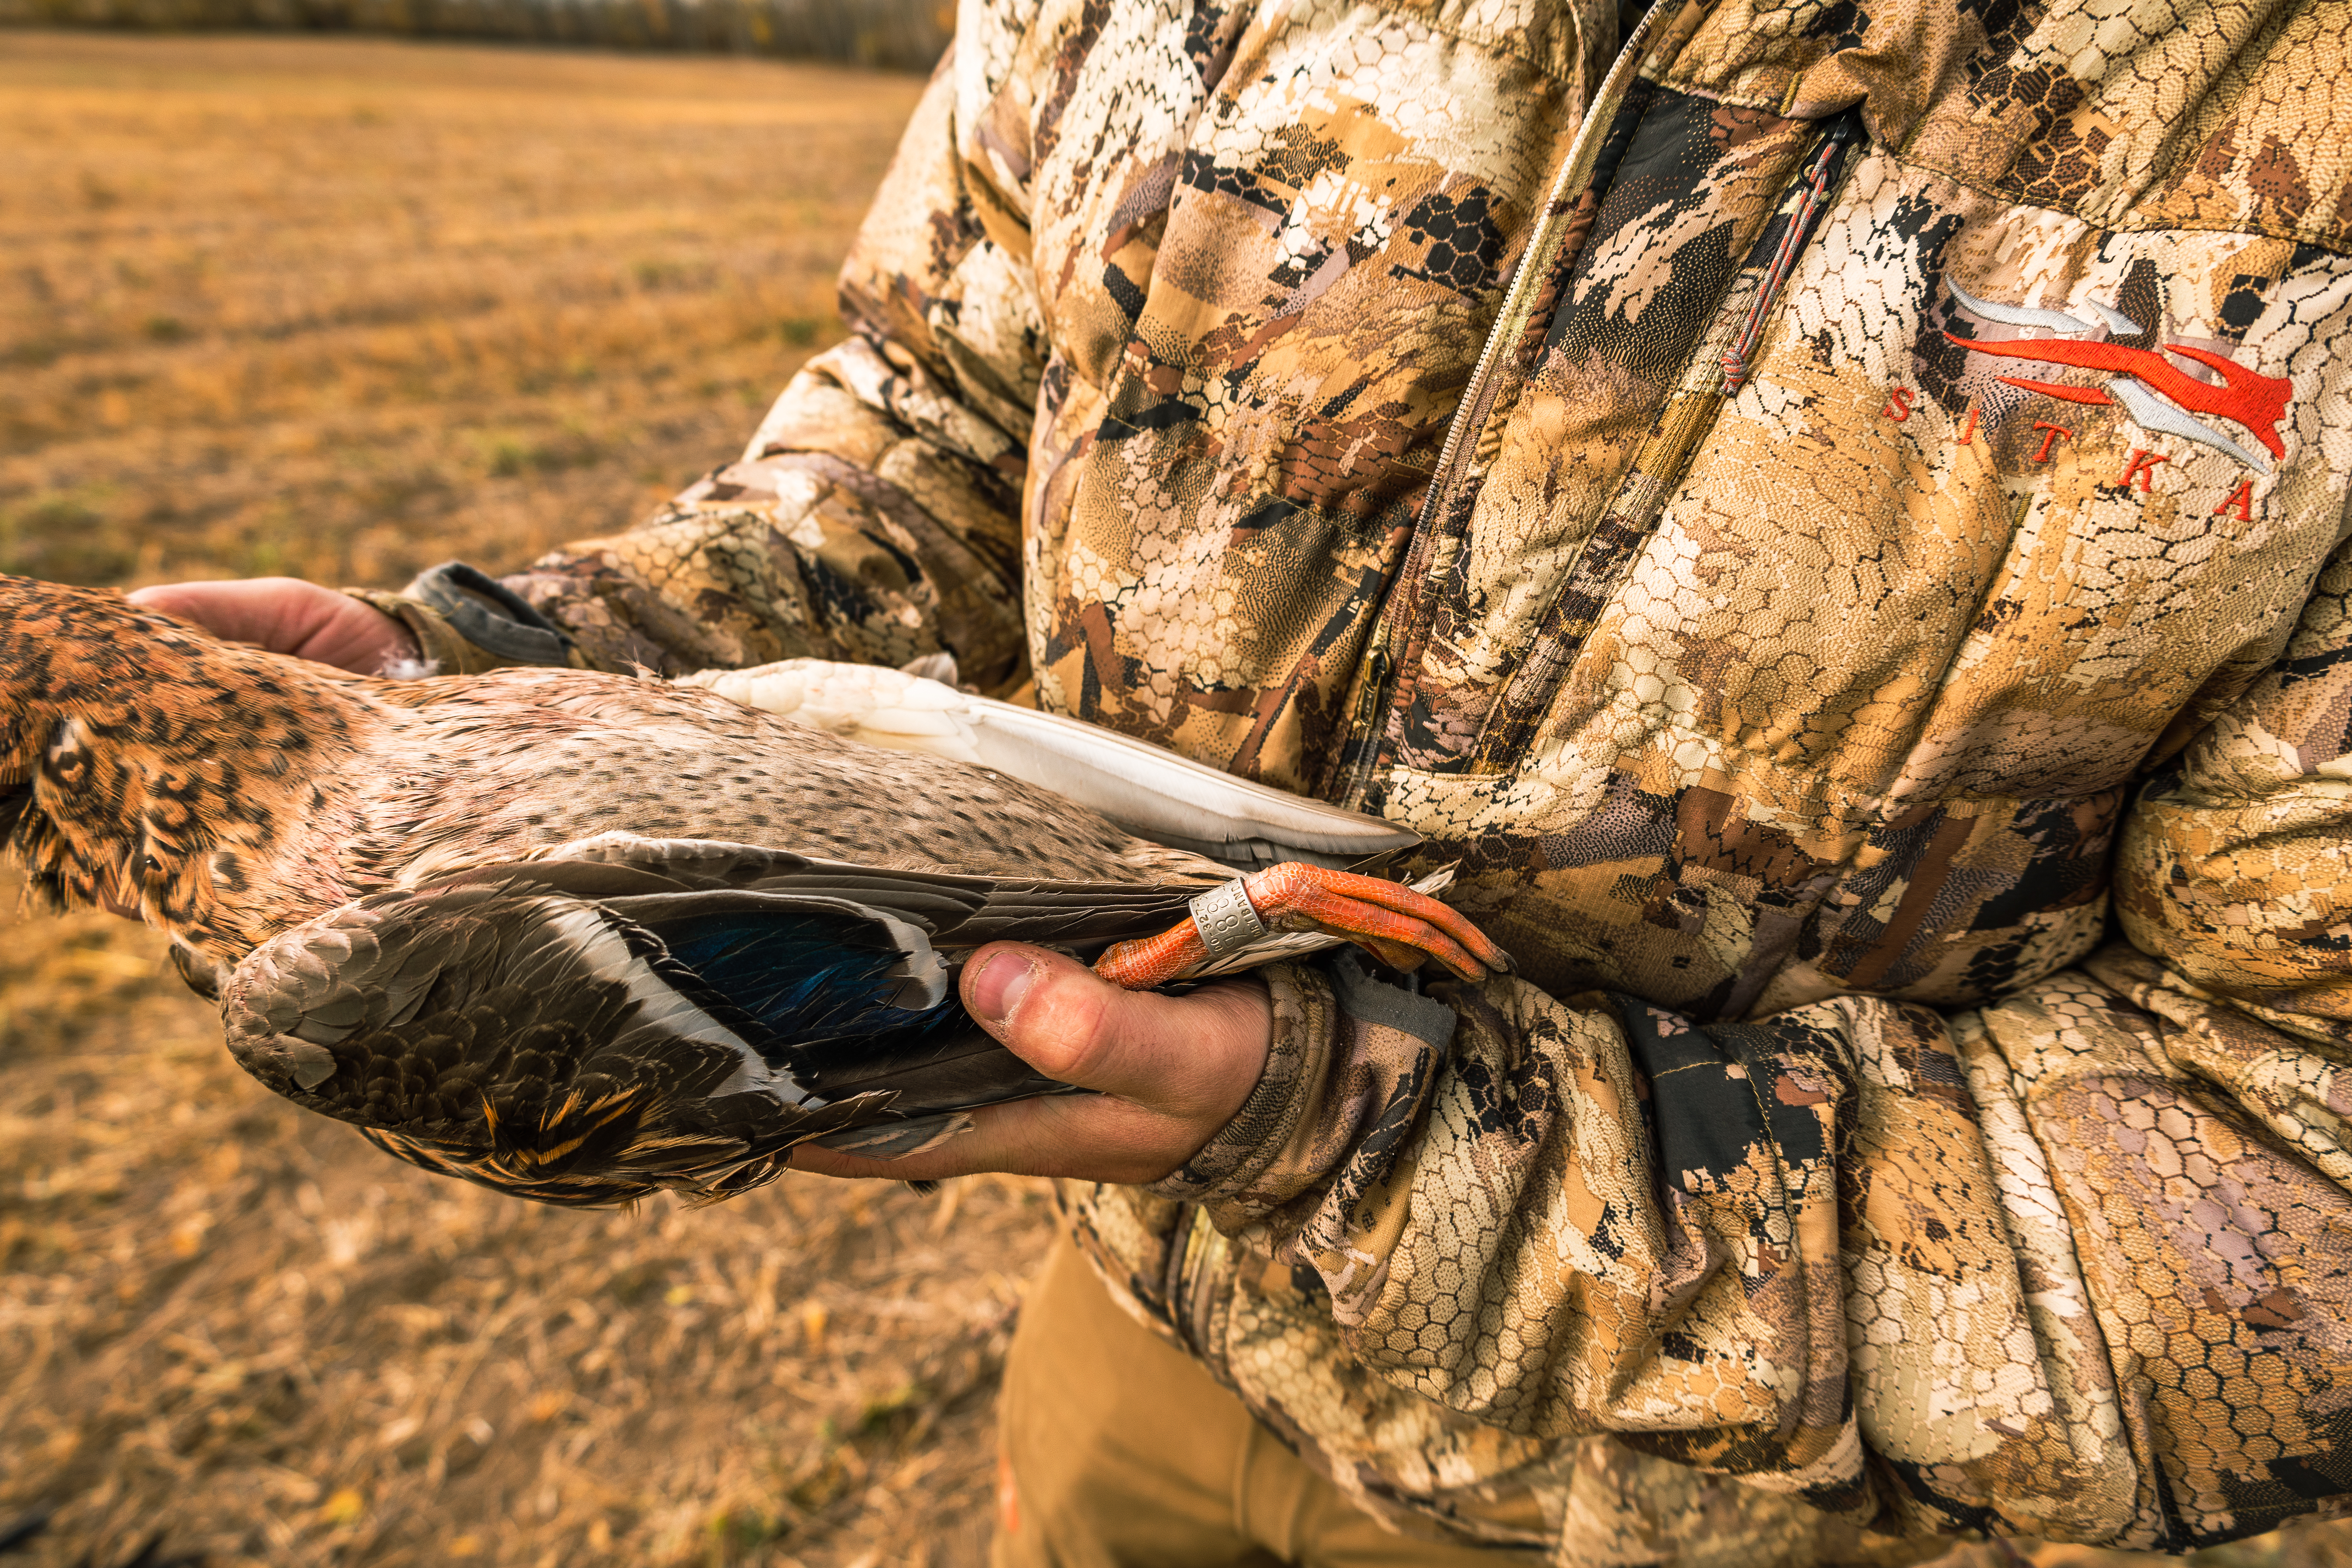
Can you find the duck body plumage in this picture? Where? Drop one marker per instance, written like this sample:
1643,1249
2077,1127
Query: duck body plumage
533,759
653,1012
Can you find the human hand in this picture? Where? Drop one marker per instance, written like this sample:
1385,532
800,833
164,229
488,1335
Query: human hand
1171,1070
286,614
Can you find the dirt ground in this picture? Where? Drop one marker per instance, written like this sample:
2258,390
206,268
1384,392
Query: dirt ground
234,1322
342,309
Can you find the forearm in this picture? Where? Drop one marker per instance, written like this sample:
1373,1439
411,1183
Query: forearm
843,533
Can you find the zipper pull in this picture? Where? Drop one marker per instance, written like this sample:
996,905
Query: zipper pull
1814,196
1366,727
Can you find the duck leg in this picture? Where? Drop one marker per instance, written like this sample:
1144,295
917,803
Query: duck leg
1401,928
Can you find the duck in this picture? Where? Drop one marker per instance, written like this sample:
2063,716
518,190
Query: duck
586,937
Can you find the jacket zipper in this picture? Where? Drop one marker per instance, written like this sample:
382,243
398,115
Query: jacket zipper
1718,371
1378,683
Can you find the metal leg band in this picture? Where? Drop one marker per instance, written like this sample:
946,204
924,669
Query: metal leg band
1227,921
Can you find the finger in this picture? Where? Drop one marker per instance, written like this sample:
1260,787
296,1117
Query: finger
1091,1136
286,614
1192,1055
254,610
1173,1070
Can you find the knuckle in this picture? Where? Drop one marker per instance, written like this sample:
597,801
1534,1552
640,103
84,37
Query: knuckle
1065,1016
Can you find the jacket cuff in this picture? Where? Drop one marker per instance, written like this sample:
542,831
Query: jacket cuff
466,623
1351,1062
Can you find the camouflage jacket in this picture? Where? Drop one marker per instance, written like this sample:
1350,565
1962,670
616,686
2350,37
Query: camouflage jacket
1831,514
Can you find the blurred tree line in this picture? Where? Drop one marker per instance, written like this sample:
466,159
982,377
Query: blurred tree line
902,35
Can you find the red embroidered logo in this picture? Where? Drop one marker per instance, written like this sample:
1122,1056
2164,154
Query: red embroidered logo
2156,393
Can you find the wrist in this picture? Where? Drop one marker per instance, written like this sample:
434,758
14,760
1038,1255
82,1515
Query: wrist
1234,1158
1351,1062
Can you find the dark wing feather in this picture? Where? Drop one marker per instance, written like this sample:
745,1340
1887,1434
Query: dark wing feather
583,1049
853,1012
413,1012
994,909
959,911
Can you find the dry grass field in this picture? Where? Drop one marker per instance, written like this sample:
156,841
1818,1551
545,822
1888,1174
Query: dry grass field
342,309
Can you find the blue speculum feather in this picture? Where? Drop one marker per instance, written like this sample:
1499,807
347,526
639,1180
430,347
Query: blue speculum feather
822,985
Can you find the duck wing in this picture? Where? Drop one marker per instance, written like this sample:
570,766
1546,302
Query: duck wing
642,1015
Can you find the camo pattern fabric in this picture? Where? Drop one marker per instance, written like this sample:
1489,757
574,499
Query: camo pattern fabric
1877,645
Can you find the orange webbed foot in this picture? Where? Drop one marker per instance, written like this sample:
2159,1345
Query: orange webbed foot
1399,926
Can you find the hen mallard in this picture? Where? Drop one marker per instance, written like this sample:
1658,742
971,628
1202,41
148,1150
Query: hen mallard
581,937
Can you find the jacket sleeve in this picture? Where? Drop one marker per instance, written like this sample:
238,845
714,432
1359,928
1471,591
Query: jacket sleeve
873,515
2077,1264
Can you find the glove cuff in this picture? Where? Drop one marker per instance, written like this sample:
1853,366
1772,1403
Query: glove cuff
466,623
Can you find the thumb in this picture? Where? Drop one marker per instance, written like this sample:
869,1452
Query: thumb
1171,1071
1182,1054
1050,1011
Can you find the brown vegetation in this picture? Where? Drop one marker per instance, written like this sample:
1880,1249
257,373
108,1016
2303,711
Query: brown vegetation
235,1322
343,310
